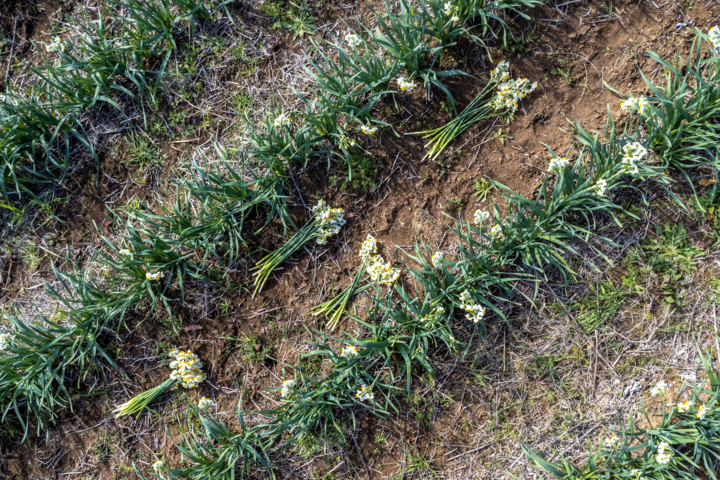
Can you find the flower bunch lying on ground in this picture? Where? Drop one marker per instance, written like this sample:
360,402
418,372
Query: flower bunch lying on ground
382,272
509,92
329,220
186,371
187,367
376,267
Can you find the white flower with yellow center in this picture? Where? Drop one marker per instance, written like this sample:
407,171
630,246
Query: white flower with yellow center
157,465
632,154
405,85
187,368
205,403
287,387
329,221
281,121
664,453
480,216
56,45
685,407
509,92
125,251
349,352
368,249
557,165
473,311
5,340
641,105
368,130
612,442
437,259
364,393
714,37
658,389
382,272
352,40
700,412
496,231
600,187
152,276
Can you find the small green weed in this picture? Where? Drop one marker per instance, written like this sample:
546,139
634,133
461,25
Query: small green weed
562,70
482,189
501,137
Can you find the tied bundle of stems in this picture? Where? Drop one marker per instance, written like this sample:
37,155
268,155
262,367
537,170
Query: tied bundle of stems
503,102
268,263
335,308
186,372
325,223
440,138
138,403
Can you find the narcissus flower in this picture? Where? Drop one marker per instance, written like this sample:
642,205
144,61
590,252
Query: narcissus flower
557,165
473,311
612,442
5,340
509,92
124,251
349,352
205,403
496,231
480,216
632,154
382,272
685,407
700,412
600,187
636,104
437,259
329,220
664,453
364,393
368,248
714,36
152,276
187,367
405,85
281,121
368,130
352,40
287,387
157,465
658,389
56,45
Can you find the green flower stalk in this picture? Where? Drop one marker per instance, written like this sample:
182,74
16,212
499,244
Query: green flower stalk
371,263
186,372
325,223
